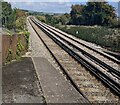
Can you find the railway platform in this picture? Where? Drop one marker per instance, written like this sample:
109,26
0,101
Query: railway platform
20,83
37,81
56,88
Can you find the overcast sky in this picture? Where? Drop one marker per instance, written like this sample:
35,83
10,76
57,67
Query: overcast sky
62,6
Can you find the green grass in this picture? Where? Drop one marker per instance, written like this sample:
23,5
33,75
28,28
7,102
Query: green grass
103,36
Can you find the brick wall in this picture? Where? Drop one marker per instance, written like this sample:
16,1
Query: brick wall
10,42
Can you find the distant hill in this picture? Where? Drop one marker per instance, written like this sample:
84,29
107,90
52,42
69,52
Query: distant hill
40,13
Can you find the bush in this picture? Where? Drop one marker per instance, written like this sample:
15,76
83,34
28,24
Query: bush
104,36
21,23
41,18
115,23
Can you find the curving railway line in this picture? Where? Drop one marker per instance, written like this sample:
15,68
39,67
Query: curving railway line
87,61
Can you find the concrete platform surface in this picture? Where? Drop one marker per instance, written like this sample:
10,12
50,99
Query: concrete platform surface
55,87
20,83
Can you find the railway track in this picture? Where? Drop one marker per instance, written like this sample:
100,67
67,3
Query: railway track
111,65
90,87
85,44
108,60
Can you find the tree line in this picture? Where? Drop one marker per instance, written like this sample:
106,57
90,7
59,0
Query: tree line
93,13
13,18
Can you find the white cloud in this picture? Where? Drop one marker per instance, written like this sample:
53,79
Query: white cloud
29,3
63,0
43,3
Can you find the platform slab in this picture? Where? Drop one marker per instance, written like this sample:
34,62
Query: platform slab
56,88
20,83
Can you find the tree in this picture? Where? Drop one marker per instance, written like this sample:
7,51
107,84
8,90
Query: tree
20,19
52,19
76,14
12,18
6,14
19,13
99,13
93,13
48,18
20,23
42,18
64,19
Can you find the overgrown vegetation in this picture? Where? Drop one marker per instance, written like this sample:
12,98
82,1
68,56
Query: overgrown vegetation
10,55
26,35
13,19
14,22
20,48
55,19
15,52
104,36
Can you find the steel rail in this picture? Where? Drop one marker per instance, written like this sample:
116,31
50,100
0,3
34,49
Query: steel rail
82,60
101,63
102,53
64,71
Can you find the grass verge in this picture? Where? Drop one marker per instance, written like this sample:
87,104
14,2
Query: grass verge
108,38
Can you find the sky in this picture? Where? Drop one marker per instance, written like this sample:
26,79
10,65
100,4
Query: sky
59,6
